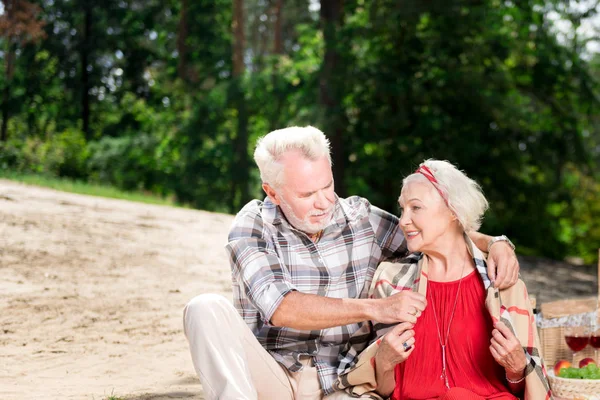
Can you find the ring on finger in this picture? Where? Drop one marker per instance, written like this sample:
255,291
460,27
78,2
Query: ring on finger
406,346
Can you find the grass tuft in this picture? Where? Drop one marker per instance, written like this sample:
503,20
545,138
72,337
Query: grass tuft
80,187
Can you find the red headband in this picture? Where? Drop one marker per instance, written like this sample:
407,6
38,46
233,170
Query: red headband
426,172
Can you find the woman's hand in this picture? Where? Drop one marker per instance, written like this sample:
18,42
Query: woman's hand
392,349
395,347
508,352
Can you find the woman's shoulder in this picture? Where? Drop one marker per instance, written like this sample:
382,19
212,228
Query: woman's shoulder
411,258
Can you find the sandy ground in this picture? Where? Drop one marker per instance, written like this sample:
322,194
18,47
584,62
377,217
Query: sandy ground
92,292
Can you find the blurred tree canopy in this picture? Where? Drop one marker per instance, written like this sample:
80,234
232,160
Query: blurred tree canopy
170,97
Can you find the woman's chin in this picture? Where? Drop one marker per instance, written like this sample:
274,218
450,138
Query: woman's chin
413,248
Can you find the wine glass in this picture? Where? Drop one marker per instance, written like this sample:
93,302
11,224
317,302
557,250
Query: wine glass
595,342
595,335
577,337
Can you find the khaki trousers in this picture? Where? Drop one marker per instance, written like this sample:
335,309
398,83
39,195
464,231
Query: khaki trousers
232,364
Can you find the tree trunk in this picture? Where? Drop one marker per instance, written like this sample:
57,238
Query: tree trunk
278,37
10,65
330,89
278,91
19,25
240,193
182,40
239,38
9,9
85,75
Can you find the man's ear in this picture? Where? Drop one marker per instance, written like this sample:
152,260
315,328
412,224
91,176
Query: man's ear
271,193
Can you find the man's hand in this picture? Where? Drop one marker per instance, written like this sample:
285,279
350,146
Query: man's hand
502,265
405,306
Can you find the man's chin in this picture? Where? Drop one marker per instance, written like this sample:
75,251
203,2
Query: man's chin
316,228
313,229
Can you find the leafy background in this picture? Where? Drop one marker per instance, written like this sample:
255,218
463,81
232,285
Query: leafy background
170,96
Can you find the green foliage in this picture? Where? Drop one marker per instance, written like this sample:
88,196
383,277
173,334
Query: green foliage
128,162
206,153
63,154
486,85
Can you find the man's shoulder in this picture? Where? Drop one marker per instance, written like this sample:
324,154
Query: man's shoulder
251,220
254,219
253,209
356,206
355,201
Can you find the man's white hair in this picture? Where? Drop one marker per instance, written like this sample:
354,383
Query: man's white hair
310,141
464,195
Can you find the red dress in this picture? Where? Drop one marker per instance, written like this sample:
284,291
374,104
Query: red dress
472,371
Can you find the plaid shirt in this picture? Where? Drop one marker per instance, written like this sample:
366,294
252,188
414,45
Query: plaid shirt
269,258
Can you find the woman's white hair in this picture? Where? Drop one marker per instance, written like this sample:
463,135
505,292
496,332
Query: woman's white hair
311,142
464,196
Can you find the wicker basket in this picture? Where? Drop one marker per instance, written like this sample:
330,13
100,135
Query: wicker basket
574,389
552,340
554,348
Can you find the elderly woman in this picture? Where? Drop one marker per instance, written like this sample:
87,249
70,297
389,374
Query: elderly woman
471,341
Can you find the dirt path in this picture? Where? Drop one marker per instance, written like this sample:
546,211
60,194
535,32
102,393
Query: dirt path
92,289
91,294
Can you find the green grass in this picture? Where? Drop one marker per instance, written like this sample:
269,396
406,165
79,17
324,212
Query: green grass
68,185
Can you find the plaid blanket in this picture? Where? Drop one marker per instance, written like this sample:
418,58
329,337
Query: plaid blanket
511,306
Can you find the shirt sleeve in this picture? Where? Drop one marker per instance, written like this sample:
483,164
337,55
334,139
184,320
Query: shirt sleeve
256,265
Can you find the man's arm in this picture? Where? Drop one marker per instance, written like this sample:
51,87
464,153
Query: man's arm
269,288
303,311
502,263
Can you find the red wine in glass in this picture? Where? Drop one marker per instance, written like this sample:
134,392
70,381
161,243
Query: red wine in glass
577,337
595,342
577,343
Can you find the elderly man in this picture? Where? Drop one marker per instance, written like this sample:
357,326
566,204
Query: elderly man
302,262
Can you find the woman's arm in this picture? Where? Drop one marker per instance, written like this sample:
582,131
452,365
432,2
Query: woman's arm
395,347
508,352
516,382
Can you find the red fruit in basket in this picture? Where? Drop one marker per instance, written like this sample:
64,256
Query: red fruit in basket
560,365
586,361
